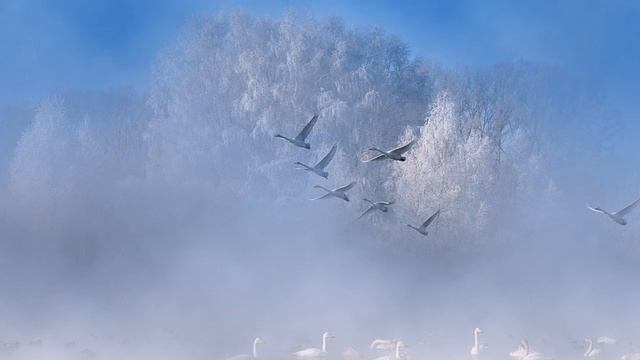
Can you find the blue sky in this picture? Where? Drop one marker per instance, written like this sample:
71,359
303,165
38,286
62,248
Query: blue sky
92,44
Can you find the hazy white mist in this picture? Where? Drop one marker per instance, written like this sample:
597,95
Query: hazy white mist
172,224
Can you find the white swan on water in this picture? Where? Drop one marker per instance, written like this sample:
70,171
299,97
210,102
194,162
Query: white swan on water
477,346
617,216
314,353
254,354
528,354
383,344
299,140
400,346
592,351
318,168
395,154
520,351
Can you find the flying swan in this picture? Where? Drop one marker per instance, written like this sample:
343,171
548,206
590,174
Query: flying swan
379,205
299,140
423,228
395,154
340,193
617,216
318,168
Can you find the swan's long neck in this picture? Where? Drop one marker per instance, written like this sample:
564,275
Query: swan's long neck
589,347
255,349
525,347
324,343
475,339
398,345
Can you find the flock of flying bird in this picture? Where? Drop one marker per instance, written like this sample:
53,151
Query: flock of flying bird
397,154
396,349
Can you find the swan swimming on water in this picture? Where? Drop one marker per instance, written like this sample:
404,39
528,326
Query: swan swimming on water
395,154
423,228
340,193
379,205
527,354
299,140
477,346
254,354
592,351
617,216
318,168
383,344
314,353
520,351
399,346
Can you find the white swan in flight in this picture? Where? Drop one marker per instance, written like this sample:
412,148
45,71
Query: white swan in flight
318,168
592,351
395,154
398,354
254,354
477,346
314,353
383,344
300,139
423,228
378,205
340,193
617,216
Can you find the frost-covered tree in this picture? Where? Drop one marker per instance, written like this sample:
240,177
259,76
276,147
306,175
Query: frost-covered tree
231,82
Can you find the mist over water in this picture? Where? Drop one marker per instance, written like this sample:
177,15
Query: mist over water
172,224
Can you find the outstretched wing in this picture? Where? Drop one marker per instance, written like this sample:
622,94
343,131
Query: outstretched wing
307,129
628,209
346,187
370,209
596,209
325,196
379,157
430,220
403,149
327,158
